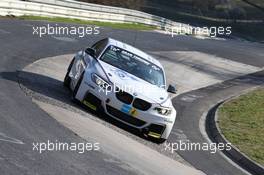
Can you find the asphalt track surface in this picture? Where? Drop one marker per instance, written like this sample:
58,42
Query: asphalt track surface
191,111
22,120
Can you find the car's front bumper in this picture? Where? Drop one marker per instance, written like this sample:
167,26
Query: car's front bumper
150,122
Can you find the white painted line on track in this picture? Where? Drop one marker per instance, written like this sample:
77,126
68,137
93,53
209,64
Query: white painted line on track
65,39
202,128
5,138
4,31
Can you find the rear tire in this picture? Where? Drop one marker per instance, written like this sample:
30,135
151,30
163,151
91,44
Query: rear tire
67,78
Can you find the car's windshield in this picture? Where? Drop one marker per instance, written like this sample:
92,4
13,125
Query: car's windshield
134,65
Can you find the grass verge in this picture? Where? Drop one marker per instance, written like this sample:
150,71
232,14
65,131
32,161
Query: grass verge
241,121
130,26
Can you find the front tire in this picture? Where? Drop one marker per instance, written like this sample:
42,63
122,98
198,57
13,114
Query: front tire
76,88
67,78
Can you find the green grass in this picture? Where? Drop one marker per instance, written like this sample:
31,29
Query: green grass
130,26
242,122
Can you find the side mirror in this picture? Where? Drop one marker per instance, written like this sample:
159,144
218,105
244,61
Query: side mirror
172,89
90,51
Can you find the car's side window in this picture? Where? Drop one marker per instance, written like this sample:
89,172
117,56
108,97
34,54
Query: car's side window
99,47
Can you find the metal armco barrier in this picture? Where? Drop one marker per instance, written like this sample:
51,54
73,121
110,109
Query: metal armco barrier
83,11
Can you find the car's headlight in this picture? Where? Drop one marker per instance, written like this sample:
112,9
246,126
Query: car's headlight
163,110
100,82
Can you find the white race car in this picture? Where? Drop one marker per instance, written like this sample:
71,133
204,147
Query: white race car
125,83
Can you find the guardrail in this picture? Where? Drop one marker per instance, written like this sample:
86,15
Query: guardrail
96,7
84,11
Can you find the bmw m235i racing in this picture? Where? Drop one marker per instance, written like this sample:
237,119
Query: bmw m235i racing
125,83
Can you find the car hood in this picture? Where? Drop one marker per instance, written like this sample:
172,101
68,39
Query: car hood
134,85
